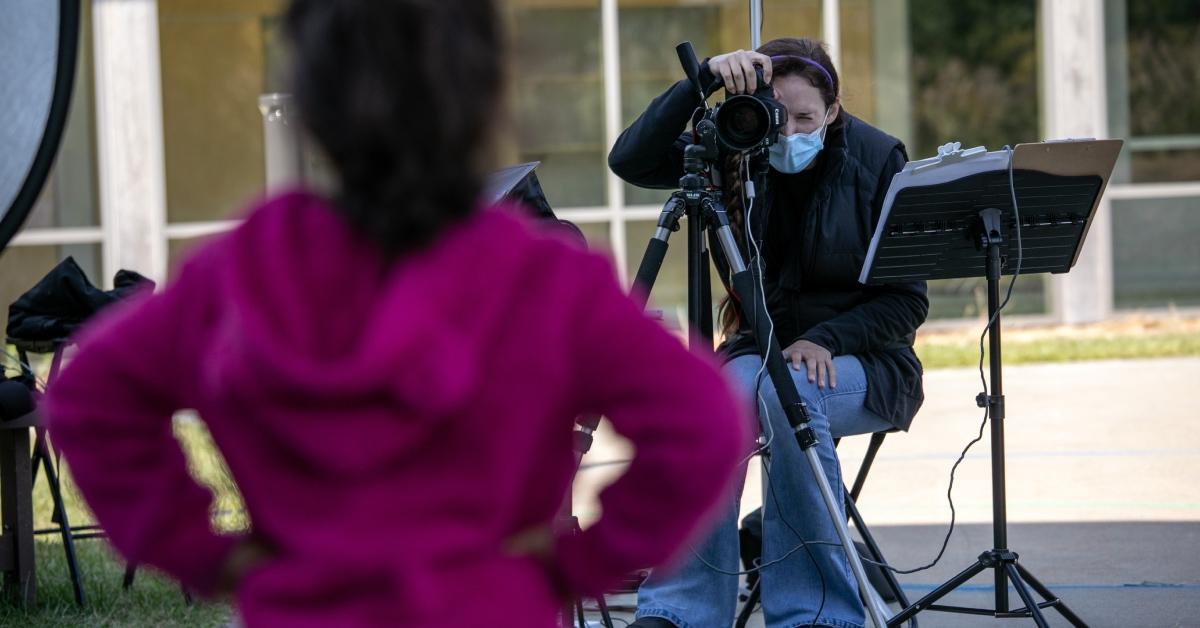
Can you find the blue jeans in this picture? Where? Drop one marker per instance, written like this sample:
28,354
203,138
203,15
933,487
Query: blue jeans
693,595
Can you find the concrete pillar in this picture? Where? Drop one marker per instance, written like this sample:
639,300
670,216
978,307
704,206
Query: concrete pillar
831,30
129,137
611,65
1074,104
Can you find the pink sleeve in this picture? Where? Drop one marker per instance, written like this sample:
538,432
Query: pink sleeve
110,411
684,424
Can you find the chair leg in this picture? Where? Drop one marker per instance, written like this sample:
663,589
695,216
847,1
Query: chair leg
873,551
748,607
130,572
868,460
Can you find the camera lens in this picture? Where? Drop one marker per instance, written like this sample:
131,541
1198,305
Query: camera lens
742,122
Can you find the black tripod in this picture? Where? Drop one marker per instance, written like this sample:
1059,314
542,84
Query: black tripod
701,203
1000,559
568,523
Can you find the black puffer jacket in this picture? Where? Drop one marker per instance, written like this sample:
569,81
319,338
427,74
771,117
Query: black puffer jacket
819,226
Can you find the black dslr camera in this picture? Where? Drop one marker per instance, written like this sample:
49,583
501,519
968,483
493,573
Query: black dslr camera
749,121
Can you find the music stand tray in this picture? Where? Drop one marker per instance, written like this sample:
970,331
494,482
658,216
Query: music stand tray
953,216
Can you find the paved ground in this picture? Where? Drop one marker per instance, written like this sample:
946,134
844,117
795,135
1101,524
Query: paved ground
1103,488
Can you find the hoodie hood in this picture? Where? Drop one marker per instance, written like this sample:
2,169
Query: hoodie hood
313,324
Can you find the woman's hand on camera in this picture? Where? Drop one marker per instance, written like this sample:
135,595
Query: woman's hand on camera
736,70
816,358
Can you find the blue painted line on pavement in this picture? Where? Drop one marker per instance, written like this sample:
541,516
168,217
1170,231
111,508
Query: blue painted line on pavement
987,588
1127,453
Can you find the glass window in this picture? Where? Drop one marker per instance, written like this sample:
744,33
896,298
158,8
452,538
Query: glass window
1154,252
178,250
974,73
1153,79
649,64
214,66
597,234
973,79
967,298
559,99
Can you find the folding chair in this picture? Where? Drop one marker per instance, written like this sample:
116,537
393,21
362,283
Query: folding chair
44,457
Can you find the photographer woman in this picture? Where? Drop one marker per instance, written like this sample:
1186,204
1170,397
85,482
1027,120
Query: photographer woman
392,373
850,345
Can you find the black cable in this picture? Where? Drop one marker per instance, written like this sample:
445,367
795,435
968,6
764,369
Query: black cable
1012,189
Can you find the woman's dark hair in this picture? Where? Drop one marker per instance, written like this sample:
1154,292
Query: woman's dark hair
799,54
402,96
793,50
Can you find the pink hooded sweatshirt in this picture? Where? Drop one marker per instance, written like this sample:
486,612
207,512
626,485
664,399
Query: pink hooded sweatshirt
391,425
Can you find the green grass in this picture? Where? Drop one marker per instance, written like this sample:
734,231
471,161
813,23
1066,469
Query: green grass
1063,349
153,600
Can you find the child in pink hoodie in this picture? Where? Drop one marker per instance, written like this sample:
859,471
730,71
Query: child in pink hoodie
392,373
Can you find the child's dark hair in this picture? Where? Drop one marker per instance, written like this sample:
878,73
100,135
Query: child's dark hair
402,96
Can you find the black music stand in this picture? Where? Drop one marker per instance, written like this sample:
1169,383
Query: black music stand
966,227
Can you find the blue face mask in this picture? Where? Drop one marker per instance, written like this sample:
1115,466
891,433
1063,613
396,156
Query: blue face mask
793,153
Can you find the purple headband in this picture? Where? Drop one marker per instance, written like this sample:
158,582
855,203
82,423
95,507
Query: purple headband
814,64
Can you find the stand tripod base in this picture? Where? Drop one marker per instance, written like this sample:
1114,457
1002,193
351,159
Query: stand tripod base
573,614
1007,569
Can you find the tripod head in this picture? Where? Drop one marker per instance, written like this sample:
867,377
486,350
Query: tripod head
701,176
703,153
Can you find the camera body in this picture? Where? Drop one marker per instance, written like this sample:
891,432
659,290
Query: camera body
748,121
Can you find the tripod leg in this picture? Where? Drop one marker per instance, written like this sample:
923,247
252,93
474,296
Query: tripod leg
1049,596
705,286
656,250
579,613
1023,591
876,609
130,572
37,459
604,614
877,555
938,593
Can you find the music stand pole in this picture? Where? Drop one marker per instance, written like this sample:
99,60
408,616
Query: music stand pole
995,405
